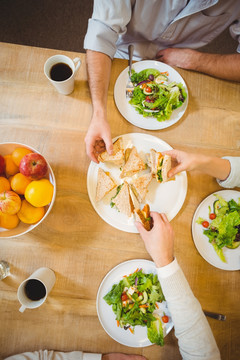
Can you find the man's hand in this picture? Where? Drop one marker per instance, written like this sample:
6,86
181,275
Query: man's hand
98,139
120,356
159,241
183,58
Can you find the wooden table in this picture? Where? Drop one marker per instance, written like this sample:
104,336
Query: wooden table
73,240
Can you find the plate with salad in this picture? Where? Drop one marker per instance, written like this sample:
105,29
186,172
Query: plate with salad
131,306
216,229
160,95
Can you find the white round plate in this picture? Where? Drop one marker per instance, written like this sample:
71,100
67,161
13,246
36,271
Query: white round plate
106,315
205,248
128,111
166,198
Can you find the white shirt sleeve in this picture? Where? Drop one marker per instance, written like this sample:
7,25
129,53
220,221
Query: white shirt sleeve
109,20
233,178
235,33
194,334
55,355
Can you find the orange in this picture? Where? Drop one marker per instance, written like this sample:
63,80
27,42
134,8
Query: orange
4,184
39,192
19,182
19,153
8,221
30,214
11,167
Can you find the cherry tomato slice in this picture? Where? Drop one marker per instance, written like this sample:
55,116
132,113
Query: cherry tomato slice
212,216
205,224
148,89
148,98
165,319
124,297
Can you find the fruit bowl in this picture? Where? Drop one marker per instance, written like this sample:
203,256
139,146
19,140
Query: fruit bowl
23,228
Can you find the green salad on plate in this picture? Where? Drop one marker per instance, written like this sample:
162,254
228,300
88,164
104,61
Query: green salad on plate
154,95
134,301
224,228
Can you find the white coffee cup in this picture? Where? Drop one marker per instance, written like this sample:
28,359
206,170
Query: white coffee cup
64,87
45,279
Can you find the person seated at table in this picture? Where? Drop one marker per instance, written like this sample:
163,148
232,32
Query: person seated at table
194,334
226,170
168,31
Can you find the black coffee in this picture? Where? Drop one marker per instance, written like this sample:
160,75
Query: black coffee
60,72
35,290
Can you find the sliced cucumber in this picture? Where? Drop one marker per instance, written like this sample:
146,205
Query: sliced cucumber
216,206
160,78
234,245
145,298
146,92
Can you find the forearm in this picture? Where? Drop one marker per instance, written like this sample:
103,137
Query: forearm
99,70
221,66
213,166
194,334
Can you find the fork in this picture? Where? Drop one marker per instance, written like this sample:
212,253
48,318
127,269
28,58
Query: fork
215,315
130,87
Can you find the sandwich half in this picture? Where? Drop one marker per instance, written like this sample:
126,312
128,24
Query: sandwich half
139,186
159,165
122,200
104,184
144,217
117,156
133,164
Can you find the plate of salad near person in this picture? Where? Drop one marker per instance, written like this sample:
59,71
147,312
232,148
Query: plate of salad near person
131,306
160,95
216,229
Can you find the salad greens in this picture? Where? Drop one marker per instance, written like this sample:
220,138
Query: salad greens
134,300
224,230
154,95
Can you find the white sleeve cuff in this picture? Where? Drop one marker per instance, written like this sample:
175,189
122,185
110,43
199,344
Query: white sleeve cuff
168,270
88,356
233,178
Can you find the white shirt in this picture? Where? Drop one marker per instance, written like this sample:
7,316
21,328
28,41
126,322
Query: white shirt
153,25
233,178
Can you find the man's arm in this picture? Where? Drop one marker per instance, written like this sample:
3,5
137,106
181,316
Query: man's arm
217,65
99,133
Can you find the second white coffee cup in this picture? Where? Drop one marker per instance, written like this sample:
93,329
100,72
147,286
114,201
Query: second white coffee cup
33,291
66,86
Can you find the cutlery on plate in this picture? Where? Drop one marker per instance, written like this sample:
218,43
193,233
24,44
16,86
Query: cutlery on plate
130,87
216,316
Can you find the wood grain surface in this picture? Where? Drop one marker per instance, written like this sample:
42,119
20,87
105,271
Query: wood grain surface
73,240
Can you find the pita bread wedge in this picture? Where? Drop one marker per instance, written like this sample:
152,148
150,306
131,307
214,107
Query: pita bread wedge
104,184
159,165
144,217
133,164
164,165
153,160
117,156
139,186
123,200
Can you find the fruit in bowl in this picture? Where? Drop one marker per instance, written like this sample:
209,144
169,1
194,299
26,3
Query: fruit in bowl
10,202
33,166
27,189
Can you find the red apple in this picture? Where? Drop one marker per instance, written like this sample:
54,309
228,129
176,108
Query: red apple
10,202
33,166
2,164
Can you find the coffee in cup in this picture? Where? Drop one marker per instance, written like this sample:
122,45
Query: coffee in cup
60,71
33,291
